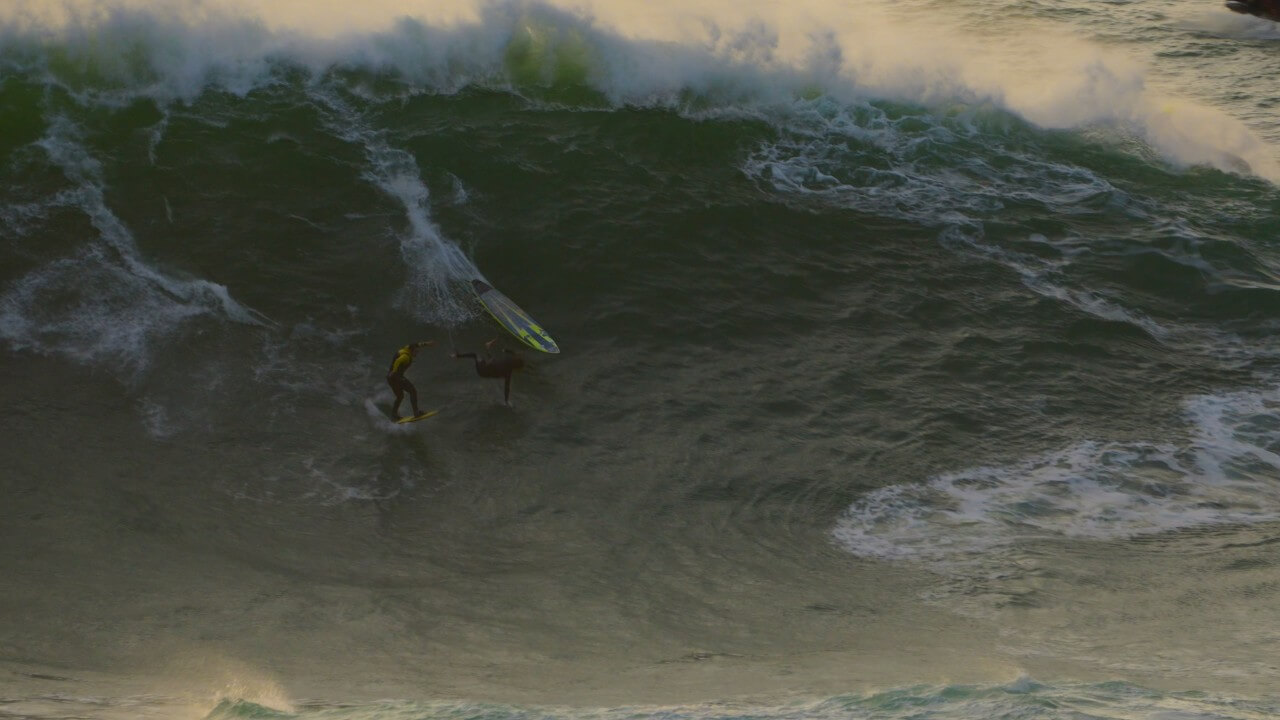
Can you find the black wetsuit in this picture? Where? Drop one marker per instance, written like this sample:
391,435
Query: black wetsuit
501,367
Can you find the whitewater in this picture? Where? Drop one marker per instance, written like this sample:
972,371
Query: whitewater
919,360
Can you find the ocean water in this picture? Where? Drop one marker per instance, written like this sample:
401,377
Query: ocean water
920,360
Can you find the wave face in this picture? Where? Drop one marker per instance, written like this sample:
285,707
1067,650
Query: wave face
916,359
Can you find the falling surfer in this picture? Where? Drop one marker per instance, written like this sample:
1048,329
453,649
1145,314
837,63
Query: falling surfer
399,383
1266,9
501,367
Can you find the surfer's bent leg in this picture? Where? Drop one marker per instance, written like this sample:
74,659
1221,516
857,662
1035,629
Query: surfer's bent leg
398,389
401,385
506,390
473,356
413,396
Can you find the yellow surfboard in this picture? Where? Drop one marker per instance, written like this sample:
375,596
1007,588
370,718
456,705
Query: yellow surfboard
416,418
510,316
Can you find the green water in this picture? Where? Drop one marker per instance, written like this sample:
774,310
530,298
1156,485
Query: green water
891,385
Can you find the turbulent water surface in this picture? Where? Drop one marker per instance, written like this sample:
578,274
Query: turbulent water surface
919,360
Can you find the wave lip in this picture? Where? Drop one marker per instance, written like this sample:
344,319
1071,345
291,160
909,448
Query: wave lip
627,54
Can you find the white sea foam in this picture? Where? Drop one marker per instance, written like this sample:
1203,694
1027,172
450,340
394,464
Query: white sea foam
1224,474
833,152
1209,19
436,265
377,412
642,52
157,419
329,485
21,219
288,364
105,302
1044,277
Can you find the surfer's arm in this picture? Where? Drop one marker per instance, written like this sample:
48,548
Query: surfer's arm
425,343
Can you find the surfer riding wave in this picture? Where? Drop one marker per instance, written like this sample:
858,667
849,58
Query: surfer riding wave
398,382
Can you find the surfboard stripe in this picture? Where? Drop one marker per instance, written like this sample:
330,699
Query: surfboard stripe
513,318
